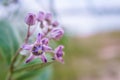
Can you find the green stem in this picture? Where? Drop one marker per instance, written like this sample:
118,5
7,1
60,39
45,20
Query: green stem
11,69
28,35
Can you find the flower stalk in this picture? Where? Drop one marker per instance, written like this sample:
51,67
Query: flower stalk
11,69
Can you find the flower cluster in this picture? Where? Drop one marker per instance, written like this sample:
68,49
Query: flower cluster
50,30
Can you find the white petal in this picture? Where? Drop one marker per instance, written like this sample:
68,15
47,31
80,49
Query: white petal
24,52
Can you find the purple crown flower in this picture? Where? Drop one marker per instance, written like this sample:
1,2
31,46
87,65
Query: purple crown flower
58,53
30,19
37,49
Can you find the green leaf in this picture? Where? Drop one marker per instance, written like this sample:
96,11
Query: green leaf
8,41
27,75
45,74
33,67
42,74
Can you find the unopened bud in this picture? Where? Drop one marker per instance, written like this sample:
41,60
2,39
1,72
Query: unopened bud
30,19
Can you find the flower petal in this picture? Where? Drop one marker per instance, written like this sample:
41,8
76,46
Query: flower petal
39,37
59,49
43,58
55,24
45,41
41,16
30,19
56,33
47,48
48,18
58,54
27,47
31,57
24,52
59,59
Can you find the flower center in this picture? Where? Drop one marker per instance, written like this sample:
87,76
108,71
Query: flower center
37,50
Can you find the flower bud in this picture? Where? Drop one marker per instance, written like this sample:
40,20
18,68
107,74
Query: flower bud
45,41
40,16
48,18
30,19
56,33
55,24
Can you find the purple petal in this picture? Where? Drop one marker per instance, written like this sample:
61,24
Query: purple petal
30,19
39,37
43,58
59,49
55,24
45,41
57,33
48,17
47,48
59,59
30,58
41,16
27,47
59,53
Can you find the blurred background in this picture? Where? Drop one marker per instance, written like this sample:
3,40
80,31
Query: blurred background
92,36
